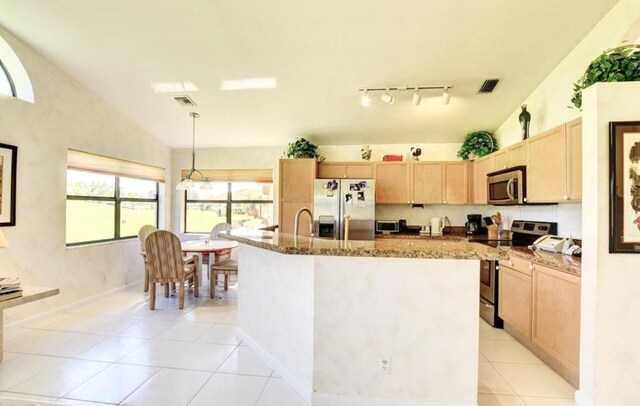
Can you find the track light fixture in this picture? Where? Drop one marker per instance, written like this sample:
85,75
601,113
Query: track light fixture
388,98
446,96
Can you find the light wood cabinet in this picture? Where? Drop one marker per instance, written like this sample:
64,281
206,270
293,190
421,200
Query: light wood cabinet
546,169
455,181
393,182
296,182
514,155
426,182
556,314
514,298
481,167
349,170
573,131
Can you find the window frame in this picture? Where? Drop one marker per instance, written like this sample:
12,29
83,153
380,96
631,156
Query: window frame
229,202
14,93
117,201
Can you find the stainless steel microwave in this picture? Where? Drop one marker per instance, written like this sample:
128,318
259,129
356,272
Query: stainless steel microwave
507,187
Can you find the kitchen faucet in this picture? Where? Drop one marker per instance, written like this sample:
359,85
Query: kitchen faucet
297,221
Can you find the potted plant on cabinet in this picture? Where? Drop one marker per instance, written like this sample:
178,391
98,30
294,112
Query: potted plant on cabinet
478,143
302,148
620,64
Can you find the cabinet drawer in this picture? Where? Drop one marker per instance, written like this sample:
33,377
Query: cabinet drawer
519,264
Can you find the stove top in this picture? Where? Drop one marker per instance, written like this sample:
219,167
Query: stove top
523,234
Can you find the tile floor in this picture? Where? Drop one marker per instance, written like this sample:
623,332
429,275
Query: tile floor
116,351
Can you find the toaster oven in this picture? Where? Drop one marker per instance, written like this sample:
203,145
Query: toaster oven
387,226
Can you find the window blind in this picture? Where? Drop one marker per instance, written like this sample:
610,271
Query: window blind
97,163
234,175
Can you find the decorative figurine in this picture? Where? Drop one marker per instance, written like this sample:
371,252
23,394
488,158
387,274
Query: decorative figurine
525,120
415,153
366,152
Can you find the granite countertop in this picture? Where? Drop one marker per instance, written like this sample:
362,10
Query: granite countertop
565,263
432,248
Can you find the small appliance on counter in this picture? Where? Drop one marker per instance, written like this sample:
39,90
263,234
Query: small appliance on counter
437,226
387,226
472,226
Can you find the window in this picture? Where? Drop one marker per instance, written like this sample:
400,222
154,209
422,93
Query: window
107,207
245,205
109,199
6,84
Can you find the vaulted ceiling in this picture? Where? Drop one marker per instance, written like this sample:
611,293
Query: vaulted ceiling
320,53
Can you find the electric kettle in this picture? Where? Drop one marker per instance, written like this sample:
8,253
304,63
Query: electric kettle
437,225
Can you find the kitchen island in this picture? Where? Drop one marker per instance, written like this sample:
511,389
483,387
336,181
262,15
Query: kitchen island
384,322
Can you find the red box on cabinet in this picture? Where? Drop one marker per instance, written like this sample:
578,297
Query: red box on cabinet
392,158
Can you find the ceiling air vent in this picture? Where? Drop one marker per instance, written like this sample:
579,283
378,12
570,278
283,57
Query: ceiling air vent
488,86
184,101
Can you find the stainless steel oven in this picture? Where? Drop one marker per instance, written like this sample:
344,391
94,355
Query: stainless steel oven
507,186
489,292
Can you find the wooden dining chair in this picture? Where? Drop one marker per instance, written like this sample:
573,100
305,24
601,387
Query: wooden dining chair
143,233
167,265
223,264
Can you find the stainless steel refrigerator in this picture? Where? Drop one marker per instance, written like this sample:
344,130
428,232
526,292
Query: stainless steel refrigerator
335,198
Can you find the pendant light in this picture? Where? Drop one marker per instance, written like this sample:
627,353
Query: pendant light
446,96
187,183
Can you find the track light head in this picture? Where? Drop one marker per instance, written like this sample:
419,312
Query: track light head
365,99
446,96
417,97
387,98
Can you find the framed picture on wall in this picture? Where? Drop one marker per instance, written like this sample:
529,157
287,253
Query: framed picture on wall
8,165
624,187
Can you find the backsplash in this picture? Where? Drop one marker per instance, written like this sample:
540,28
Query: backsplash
567,215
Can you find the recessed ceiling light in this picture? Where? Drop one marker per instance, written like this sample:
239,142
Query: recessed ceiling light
173,87
253,83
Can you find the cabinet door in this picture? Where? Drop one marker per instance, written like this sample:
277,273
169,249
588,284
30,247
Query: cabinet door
427,182
392,182
546,169
297,177
574,159
514,305
517,155
288,211
481,168
332,170
556,314
455,183
359,170
501,160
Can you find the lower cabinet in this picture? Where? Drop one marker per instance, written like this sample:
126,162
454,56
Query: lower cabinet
556,314
514,298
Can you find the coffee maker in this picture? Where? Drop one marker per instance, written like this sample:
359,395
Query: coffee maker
472,226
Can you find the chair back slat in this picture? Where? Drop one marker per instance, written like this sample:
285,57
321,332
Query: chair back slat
164,257
144,232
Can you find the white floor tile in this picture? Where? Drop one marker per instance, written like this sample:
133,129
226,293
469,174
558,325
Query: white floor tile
77,322
230,390
147,328
21,368
185,331
499,400
491,382
529,401
170,387
243,361
278,393
535,380
155,352
202,357
208,314
482,358
75,402
19,399
113,325
221,334
113,384
172,313
507,351
112,349
62,378
489,333
55,343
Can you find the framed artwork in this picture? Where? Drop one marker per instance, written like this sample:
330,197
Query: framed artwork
624,187
8,165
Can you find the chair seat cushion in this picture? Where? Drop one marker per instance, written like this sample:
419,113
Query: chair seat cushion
228,265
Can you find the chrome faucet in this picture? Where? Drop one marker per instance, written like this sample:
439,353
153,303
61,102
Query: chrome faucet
297,221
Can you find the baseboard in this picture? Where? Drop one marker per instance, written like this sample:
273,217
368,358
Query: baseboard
303,390
72,305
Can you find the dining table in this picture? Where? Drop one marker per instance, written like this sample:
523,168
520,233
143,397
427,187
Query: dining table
217,248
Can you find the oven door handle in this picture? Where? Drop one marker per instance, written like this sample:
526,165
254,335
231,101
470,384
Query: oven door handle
510,187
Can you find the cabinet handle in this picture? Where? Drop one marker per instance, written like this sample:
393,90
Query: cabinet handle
444,201
504,167
565,197
510,263
525,199
531,267
408,201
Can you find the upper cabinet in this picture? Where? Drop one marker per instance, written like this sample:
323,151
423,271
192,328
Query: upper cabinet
455,182
347,170
393,182
426,182
481,167
515,155
554,170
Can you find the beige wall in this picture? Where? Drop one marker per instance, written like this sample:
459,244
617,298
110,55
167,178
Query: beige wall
65,115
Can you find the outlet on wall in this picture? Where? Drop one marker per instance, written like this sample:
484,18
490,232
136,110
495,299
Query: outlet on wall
385,365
